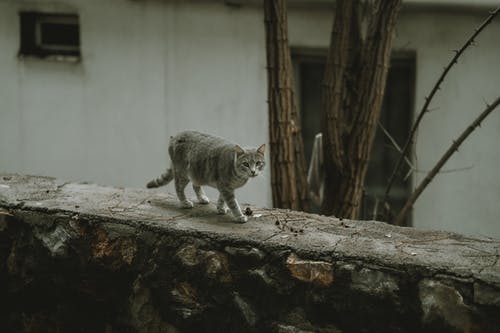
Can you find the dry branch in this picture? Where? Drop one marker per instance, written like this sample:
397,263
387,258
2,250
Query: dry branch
453,148
394,144
428,99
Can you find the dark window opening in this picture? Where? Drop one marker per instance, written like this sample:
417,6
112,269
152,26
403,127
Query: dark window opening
46,35
396,116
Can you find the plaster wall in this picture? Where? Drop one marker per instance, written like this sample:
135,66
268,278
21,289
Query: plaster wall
152,68
148,70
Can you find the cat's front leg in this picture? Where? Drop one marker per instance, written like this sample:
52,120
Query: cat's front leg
221,205
229,198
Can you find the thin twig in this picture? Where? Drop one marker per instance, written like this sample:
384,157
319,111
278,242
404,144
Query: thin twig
447,170
428,99
453,148
394,143
442,171
412,168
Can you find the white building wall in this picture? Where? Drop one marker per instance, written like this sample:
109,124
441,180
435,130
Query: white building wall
464,201
152,68
149,69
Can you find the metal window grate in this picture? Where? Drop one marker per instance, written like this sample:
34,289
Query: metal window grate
46,35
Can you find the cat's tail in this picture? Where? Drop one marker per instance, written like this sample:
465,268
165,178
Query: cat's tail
164,179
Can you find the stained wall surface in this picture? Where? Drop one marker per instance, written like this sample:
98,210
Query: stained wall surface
152,68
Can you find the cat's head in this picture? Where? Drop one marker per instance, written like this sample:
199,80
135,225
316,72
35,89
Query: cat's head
249,162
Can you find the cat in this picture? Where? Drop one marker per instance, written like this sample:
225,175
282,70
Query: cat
205,159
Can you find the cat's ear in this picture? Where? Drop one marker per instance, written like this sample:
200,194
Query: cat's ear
239,150
262,149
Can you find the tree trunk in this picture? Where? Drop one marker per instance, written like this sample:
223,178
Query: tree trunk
288,171
353,89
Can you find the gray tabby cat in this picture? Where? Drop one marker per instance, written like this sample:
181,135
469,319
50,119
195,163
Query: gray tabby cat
208,160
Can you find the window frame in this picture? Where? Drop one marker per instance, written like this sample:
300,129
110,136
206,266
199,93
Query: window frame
31,38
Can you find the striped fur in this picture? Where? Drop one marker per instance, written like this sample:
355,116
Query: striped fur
203,159
164,179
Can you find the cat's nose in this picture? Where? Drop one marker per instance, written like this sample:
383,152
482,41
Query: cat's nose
253,172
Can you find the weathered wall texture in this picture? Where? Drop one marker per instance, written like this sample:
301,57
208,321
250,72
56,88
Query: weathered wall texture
152,68
86,258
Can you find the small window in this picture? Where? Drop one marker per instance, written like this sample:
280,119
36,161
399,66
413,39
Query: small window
45,35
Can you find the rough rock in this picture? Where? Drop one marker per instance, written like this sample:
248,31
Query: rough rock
445,305
86,258
317,272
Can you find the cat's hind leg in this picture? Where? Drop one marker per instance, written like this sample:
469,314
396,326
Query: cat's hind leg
181,182
221,205
200,194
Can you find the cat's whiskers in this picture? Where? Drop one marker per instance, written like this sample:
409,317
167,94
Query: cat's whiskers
262,175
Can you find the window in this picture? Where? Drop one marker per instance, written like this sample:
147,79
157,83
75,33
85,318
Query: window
396,115
47,35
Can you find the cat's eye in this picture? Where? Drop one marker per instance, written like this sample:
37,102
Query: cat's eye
246,164
259,164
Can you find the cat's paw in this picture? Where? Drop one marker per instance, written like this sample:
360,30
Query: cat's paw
222,210
241,219
204,200
186,204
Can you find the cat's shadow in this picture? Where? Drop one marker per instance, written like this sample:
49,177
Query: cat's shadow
208,211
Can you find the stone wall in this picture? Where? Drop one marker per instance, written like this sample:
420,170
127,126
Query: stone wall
88,258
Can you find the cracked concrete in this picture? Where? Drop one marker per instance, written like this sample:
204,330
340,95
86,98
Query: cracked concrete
364,268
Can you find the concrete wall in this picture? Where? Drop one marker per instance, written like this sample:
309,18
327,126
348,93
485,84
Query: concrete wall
152,68
148,70
88,258
465,201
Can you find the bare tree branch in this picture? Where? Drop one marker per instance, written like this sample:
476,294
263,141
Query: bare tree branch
428,99
448,170
410,171
453,148
394,143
